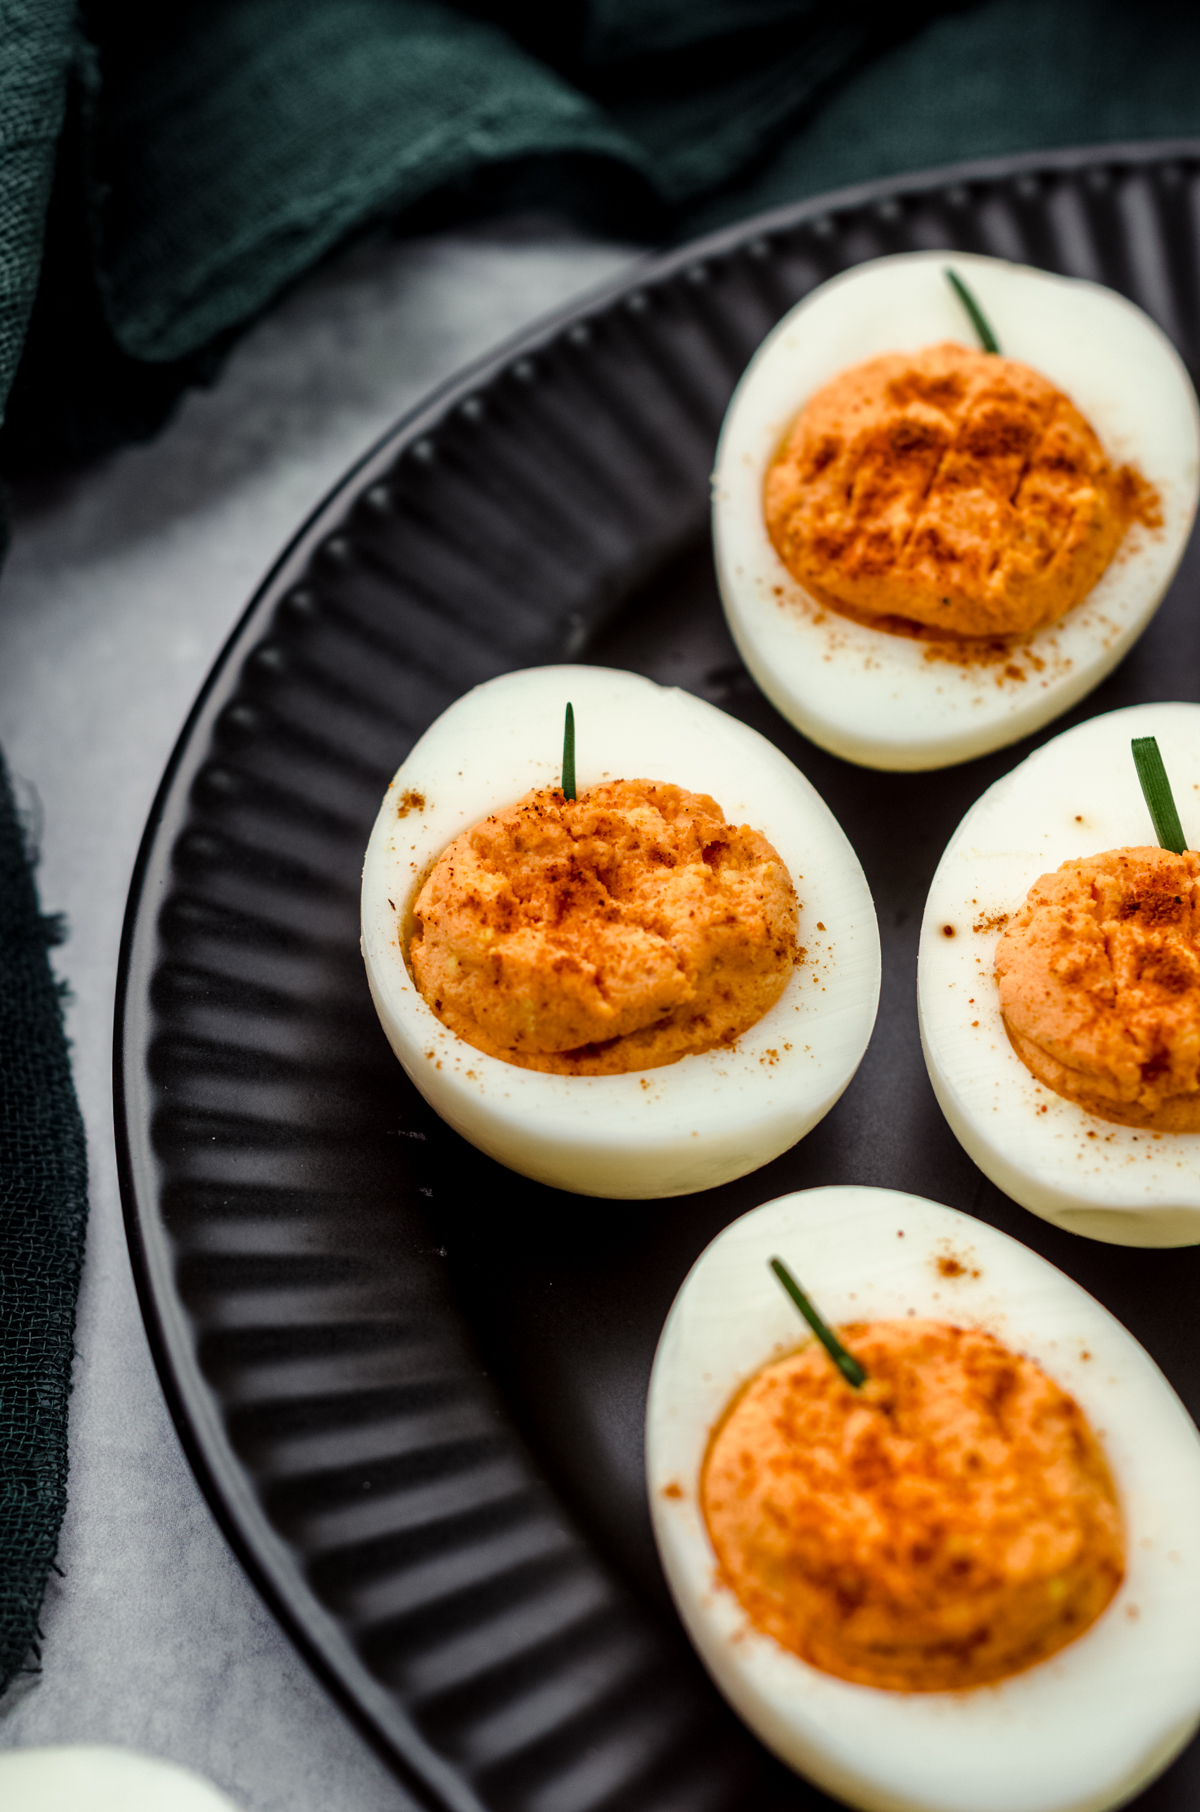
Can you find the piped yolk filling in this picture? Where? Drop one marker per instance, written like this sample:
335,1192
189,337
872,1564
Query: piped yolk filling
949,492
951,1523
618,931
1099,979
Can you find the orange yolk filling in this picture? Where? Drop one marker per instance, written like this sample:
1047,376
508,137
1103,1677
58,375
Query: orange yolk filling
951,1523
948,492
1099,979
618,931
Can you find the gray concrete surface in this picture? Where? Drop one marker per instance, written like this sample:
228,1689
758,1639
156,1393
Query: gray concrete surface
121,586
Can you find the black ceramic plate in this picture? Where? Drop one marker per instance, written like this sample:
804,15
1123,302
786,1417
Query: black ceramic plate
410,1382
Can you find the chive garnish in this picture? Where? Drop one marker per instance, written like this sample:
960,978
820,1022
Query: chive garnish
568,760
846,1363
1152,773
979,320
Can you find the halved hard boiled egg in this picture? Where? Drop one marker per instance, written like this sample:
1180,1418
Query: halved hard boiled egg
99,1777
709,1116
890,700
1079,1732
1077,796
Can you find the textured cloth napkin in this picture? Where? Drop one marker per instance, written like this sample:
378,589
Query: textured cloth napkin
187,162
166,171
43,1206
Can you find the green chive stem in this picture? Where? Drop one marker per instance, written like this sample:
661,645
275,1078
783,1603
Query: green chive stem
846,1363
1152,773
568,760
979,320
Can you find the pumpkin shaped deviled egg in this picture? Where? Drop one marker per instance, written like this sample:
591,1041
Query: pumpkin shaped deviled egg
1058,984
954,1564
648,987
927,549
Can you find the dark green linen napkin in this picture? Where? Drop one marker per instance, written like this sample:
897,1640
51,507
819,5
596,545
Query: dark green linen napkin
212,151
990,80
215,149
43,1208
43,1176
167,171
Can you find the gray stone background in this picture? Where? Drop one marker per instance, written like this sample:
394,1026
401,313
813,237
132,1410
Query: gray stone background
122,584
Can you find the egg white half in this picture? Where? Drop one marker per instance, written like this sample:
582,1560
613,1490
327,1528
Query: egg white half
1076,796
1081,1731
99,1777
883,700
689,1125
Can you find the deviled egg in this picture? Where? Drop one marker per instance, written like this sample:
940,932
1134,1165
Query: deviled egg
688,1124
1076,797
904,701
100,1777
1078,1732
